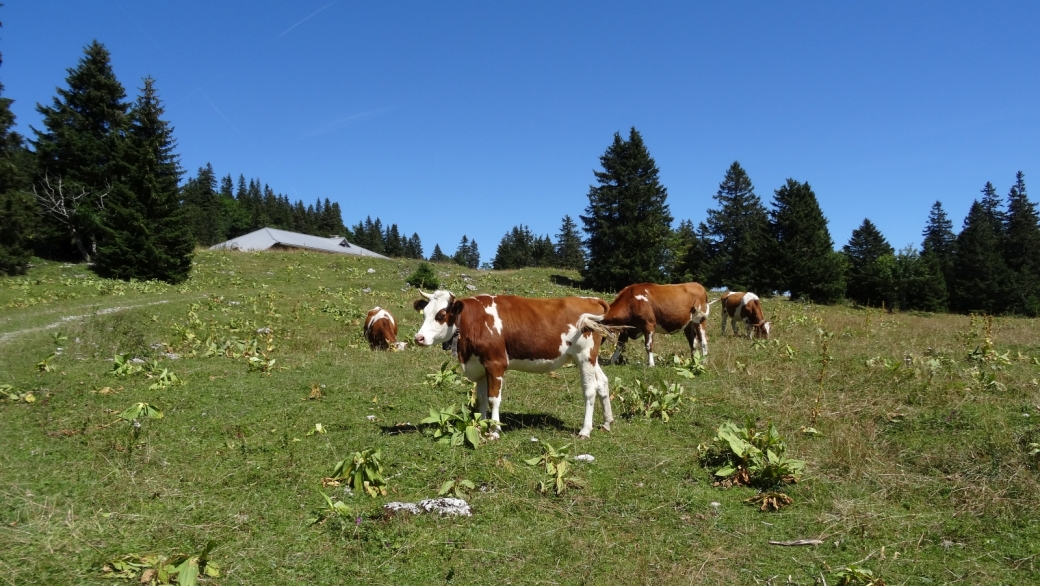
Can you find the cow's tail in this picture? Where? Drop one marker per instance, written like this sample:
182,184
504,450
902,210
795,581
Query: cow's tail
590,322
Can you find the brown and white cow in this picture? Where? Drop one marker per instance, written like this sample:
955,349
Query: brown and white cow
746,307
381,330
493,333
646,309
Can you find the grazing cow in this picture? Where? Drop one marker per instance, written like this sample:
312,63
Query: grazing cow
493,333
746,307
381,330
646,308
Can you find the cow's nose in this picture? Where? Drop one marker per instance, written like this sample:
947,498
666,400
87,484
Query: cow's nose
419,339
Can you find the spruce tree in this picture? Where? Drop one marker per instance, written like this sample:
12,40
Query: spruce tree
940,243
514,250
17,210
738,235
570,253
871,267
461,256
543,253
77,152
979,273
415,249
920,284
1022,249
438,255
803,261
202,208
392,245
628,221
687,256
143,232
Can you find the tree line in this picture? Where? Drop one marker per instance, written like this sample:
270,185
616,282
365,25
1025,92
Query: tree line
992,265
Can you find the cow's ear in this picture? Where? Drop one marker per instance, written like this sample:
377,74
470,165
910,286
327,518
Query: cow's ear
420,304
456,307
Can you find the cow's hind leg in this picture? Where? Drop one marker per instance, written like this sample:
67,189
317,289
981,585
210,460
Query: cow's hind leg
593,383
622,340
648,334
603,389
494,395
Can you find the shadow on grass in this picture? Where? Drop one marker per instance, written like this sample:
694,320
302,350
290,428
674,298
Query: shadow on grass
512,421
564,281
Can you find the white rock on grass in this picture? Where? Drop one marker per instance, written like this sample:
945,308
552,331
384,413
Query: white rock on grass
584,458
445,507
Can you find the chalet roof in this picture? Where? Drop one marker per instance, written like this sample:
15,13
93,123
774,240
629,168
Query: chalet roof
265,238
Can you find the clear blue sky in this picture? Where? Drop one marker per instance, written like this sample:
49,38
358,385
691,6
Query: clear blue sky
452,118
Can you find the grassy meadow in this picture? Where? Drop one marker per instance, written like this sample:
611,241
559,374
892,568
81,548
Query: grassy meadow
920,472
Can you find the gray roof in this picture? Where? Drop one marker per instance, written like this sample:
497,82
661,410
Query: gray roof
265,238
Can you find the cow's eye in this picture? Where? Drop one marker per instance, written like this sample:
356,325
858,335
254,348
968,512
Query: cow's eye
441,316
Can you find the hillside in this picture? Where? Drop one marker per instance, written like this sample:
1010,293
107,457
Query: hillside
920,471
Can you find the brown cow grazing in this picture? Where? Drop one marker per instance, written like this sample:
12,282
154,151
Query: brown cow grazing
647,309
493,333
381,330
748,308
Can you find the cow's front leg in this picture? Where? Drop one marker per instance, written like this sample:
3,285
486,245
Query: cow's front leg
482,397
494,396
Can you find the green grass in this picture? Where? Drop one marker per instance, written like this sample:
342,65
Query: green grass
922,472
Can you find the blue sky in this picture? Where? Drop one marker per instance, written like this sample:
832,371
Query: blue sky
472,117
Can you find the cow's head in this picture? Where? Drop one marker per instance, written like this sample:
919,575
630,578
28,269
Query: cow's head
761,330
440,309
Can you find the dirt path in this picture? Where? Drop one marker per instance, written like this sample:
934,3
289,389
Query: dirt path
5,337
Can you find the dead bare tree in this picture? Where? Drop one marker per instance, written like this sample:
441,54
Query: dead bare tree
62,205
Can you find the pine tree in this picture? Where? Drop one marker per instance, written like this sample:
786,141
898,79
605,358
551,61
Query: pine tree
628,221
438,255
543,253
467,253
919,281
687,255
514,251
1022,250
979,272
940,243
392,245
415,249
143,232
871,267
77,153
17,209
738,235
803,261
570,253
203,210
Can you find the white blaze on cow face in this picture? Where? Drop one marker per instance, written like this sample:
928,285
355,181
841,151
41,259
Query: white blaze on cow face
435,328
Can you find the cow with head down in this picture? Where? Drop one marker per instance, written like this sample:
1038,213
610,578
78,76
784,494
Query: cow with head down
381,330
746,307
494,333
644,309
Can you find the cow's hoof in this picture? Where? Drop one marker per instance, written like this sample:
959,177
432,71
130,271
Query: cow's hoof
492,436
606,426
584,434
